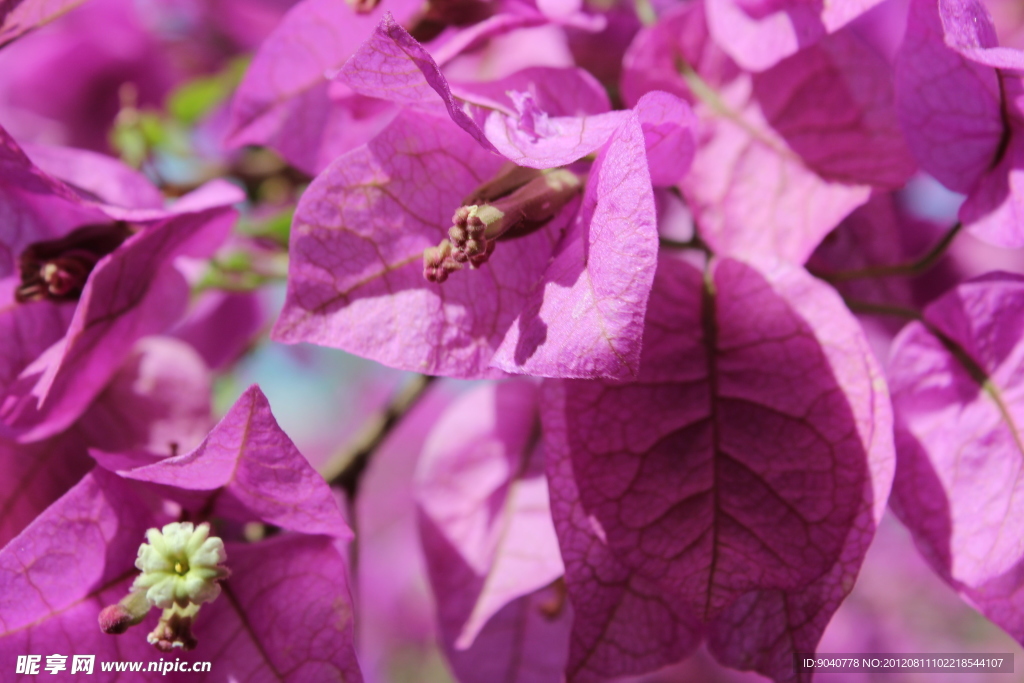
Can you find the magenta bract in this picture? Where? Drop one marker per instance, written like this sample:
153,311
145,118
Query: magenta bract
285,612
670,497
487,535
955,378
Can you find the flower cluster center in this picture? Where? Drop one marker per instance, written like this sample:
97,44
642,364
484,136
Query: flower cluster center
57,270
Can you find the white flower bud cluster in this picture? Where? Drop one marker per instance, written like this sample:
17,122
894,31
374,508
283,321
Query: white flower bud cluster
181,568
181,565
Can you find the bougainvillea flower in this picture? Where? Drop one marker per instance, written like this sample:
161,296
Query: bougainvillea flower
784,155
486,530
731,492
284,613
556,117
287,102
956,388
84,280
971,143
157,401
356,277
757,34
362,228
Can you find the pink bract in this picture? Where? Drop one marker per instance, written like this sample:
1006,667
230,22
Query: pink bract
677,517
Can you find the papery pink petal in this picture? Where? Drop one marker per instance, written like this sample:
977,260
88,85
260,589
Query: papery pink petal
880,234
260,471
215,194
104,178
393,66
503,55
19,16
158,401
602,52
585,318
223,325
17,170
561,141
950,107
994,211
969,142
98,184
957,393
669,126
133,292
38,206
471,37
73,560
356,279
968,29
26,330
483,508
834,105
623,623
34,475
284,100
750,197
682,489
774,171
527,641
759,39
395,606
54,390
285,614
557,92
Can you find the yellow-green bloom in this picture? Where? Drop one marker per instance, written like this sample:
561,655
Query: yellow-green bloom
181,565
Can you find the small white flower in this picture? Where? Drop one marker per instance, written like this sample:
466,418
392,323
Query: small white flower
180,565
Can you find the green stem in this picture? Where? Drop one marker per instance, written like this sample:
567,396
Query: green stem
905,269
346,469
694,243
858,306
645,12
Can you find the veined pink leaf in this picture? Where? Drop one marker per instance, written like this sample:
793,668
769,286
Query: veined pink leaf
585,317
774,169
357,279
958,101
131,293
284,613
736,484
34,475
285,100
957,392
483,508
760,33
393,66
257,470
